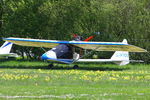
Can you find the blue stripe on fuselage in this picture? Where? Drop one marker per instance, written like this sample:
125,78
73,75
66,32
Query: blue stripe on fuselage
68,61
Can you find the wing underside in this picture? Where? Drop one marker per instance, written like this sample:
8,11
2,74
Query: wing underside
97,46
130,48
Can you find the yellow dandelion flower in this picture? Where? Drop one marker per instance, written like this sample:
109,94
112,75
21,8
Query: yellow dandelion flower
126,77
112,78
147,77
47,78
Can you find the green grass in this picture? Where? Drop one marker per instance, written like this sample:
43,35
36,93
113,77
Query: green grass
34,80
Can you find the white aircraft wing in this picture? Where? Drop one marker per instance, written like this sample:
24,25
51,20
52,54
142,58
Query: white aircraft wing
97,46
33,42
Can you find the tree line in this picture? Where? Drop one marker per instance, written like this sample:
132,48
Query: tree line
106,20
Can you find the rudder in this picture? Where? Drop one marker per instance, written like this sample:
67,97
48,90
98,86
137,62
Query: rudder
121,57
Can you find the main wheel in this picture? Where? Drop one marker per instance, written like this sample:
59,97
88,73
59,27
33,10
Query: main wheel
75,67
50,65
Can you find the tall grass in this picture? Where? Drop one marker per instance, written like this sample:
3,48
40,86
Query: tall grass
27,80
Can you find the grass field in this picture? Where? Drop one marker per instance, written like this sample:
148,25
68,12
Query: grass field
34,80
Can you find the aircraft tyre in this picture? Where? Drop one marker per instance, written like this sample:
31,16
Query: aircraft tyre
50,65
75,67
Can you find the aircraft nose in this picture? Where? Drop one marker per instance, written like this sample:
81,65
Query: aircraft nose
44,56
49,55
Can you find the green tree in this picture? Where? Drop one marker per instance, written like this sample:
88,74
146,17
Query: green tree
57,19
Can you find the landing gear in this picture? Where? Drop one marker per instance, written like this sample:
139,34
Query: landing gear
75,67
50,65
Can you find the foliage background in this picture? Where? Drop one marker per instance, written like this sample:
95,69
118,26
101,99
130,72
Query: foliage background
114,20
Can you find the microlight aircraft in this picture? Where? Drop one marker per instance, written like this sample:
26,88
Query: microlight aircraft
63,51
5,50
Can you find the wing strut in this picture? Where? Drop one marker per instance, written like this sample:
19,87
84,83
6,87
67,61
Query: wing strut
75,60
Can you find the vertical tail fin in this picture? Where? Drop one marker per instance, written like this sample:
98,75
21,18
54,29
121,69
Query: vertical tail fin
5,48
121,57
